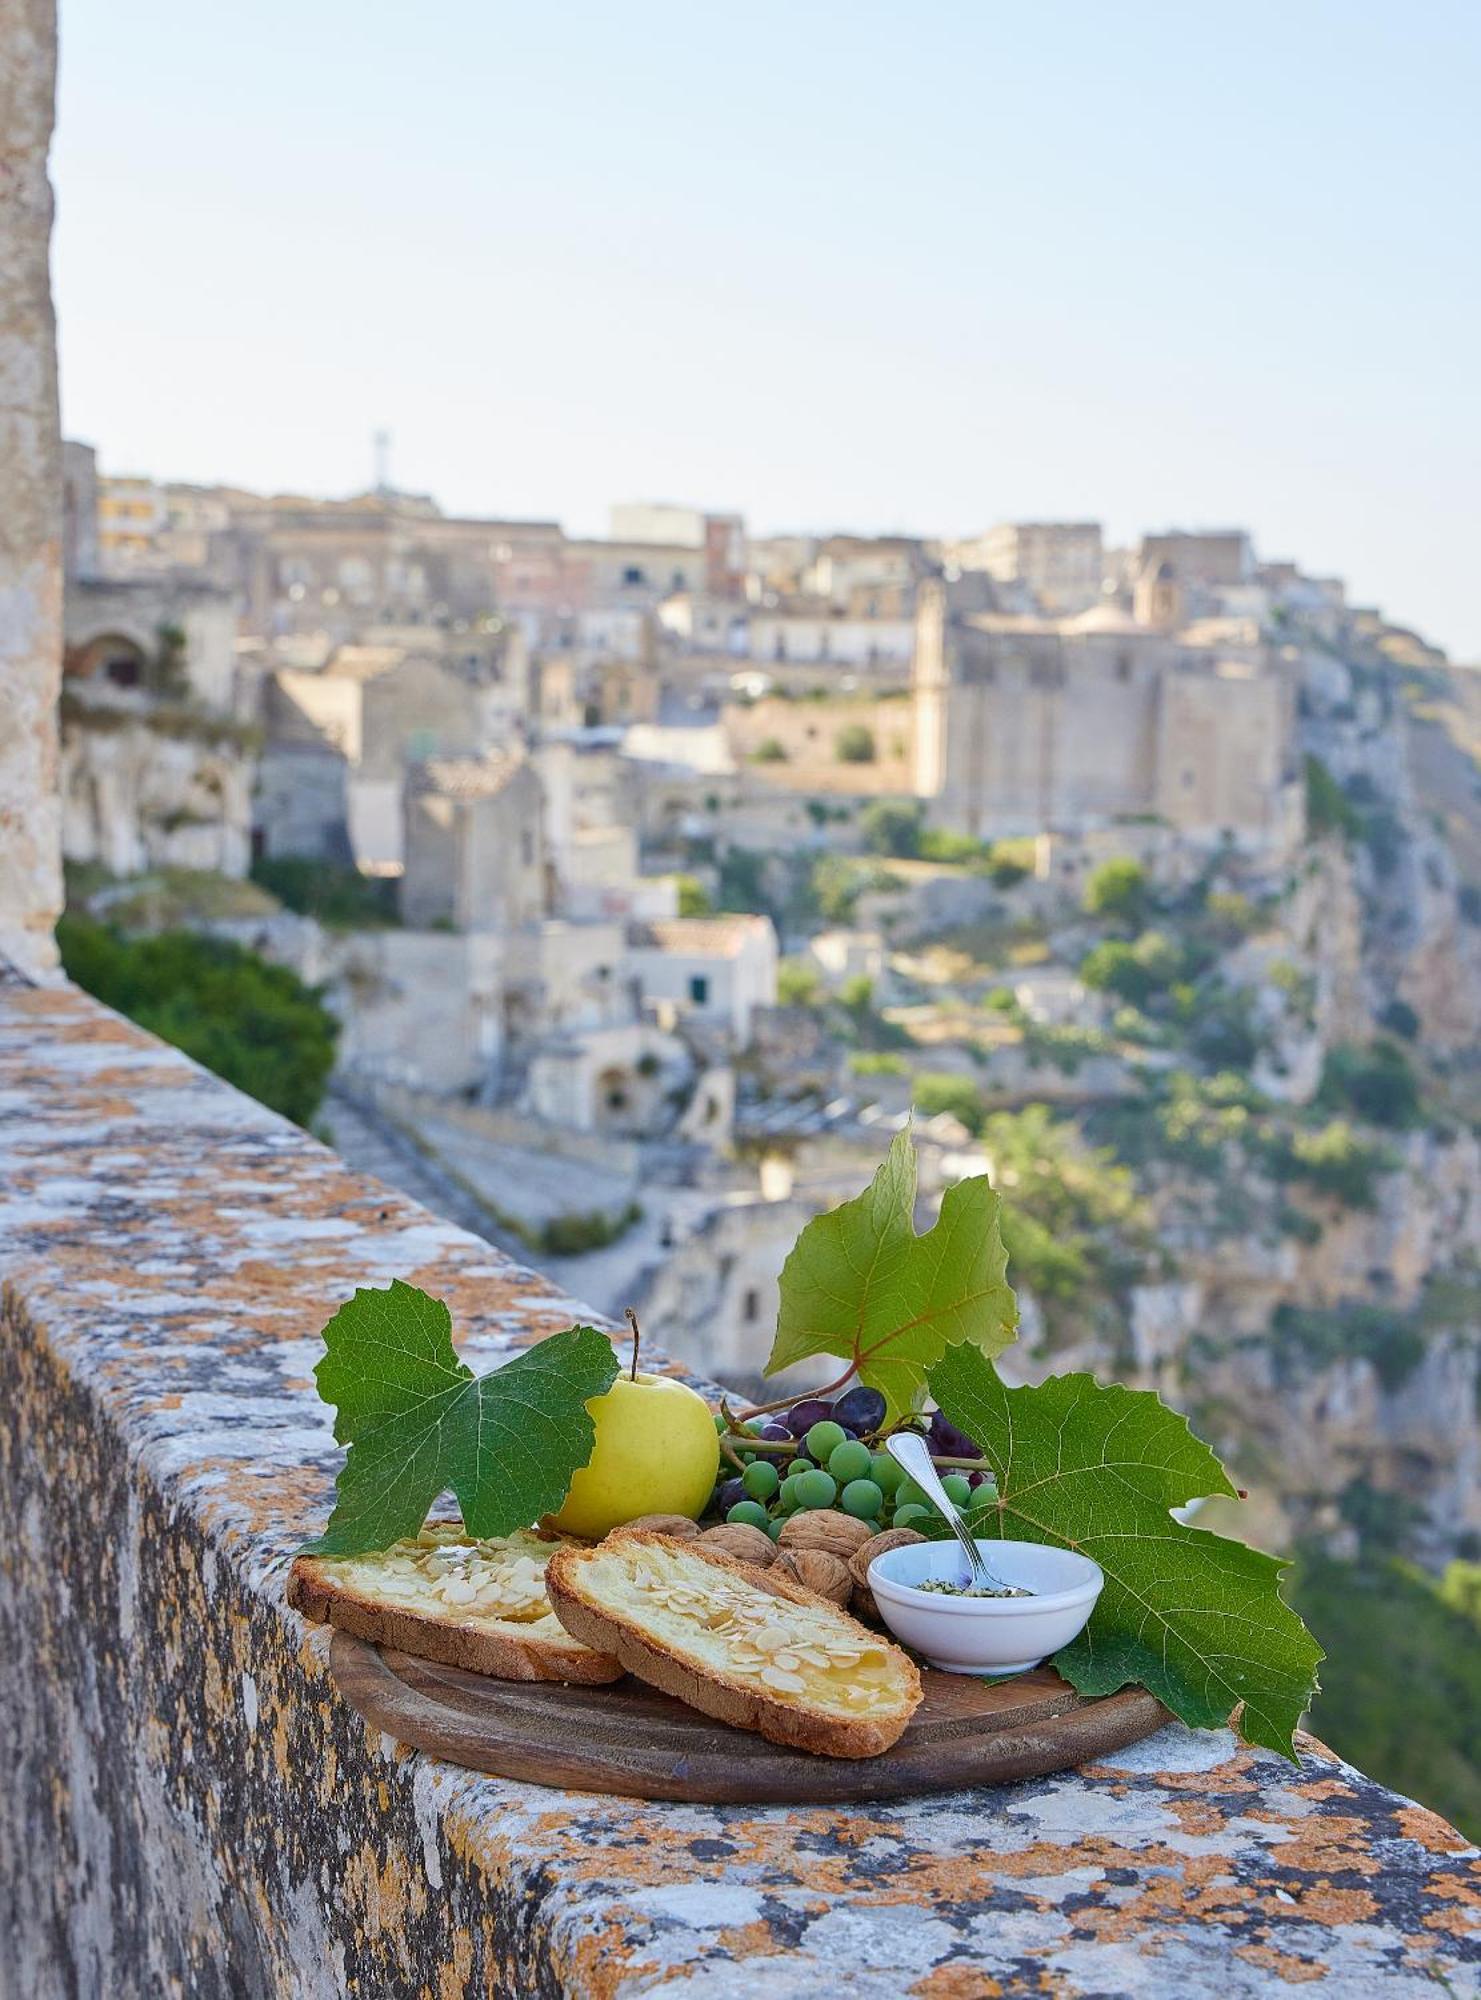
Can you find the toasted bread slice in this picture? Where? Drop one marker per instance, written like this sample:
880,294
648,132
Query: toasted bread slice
446,1596
743,1644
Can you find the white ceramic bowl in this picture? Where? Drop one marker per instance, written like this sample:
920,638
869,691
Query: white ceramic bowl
985,1635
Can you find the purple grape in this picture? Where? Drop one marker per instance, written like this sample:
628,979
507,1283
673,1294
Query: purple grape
976,1479
777,1433
731,1494
802,1416
860,1410
948,1442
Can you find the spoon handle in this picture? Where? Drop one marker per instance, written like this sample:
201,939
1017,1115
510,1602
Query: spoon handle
910,1453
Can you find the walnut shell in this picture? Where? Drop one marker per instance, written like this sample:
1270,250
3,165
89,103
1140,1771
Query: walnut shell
863,1602
817,1571
826,1529
745,1543
679,1526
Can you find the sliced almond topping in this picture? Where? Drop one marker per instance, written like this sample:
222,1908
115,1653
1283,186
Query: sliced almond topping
781,1681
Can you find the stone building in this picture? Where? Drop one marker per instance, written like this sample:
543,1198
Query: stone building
1208,556
716,971
475,844
156,766
1024,724
1061,562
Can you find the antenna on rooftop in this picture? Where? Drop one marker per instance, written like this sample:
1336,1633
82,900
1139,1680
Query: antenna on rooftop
381,446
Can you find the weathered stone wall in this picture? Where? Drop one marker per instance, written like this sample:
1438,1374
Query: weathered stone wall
146,785
30,495
190,1808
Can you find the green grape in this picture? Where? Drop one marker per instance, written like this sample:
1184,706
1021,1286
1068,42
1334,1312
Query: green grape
886,1473
908,1494
721,1425
774,1529
822,1439
816,1488
749,1514
760,1479
863,1499
958,1487
849,1460
908,1515
787,1497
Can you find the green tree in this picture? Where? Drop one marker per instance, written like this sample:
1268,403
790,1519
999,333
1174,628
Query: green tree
890,826
340,898
936,1091
854,744
1328,808
257,1025
798,984
1377,1082
770,750
694,897
1011,861
1385,1627
1118,888
1134,972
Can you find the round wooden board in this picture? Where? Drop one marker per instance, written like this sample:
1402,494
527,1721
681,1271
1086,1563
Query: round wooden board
627,1738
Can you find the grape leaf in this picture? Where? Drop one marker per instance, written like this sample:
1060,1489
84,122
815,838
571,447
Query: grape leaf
1198,1620
862,1285
418,1421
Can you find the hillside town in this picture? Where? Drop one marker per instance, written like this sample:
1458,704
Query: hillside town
655,881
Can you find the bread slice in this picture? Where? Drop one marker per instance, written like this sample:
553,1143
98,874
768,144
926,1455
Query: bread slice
445,1596
746,1645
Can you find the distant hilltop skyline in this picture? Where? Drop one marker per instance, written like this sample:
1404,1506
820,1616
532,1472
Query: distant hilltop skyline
1066,562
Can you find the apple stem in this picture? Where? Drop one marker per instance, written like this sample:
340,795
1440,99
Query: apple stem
632,1320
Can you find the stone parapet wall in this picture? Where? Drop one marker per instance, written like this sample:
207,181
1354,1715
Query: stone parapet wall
192,1809
30,495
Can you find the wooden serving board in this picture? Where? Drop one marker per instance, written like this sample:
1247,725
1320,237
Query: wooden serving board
627,1738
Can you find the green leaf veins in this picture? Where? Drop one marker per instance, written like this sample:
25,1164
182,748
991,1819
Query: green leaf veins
419,1422
1197,1619
862,1285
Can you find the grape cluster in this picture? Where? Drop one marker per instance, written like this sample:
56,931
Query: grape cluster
833,1461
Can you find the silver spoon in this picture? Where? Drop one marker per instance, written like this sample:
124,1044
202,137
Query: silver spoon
909,1451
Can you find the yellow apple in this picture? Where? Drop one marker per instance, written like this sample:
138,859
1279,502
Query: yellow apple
656,1453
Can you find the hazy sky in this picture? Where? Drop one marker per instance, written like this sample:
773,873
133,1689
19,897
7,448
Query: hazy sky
867,266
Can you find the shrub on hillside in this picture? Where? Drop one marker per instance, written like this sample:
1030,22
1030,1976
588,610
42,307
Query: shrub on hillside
798,983
892,827
854,744
694,897
1328,808
340,898
1385,1626
1119,888
257,1025
1010,861
936,1091
1134,972
1377,1083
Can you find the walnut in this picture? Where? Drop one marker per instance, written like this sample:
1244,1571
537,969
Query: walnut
825,1575
826,1529
738,1539
864,1605
679,1526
